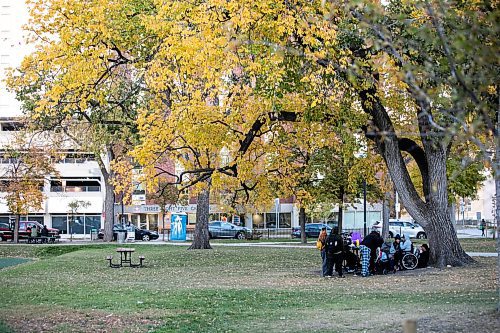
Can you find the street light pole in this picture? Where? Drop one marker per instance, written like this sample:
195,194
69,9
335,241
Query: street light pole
364,206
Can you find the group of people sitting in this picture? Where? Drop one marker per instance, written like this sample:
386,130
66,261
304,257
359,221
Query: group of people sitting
376,256
33,232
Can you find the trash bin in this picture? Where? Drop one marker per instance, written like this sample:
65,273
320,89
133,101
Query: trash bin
93,234
121,235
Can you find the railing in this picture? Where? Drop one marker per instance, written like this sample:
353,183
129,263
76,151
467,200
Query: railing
261,233
75,189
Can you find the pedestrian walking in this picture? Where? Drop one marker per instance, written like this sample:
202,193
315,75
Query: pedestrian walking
482,226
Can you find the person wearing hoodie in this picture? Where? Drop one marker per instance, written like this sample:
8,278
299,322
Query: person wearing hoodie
334,248
395,254
405,245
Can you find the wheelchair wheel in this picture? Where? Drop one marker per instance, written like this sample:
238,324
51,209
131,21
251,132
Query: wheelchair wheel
409,261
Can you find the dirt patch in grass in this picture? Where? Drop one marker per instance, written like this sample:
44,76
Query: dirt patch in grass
41,320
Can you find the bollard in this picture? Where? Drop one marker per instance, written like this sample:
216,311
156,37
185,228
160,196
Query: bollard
410,326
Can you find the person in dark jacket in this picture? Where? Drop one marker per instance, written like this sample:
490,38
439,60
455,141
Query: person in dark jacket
395,254
423,258
334,247
373,241
44,233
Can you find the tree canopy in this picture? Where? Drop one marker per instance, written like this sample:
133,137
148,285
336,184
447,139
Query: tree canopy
218,78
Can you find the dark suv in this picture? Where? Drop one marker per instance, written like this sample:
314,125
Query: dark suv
312,230
140,234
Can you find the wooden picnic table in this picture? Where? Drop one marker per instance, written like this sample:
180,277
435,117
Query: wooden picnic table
125,255
125,258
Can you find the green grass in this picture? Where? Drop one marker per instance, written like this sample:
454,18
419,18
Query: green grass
223,290
479,244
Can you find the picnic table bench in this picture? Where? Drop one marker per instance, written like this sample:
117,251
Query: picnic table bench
125,258
42,239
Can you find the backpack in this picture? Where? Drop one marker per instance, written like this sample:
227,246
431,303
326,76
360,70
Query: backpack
334,245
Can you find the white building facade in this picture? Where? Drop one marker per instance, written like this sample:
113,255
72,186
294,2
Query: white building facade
78,180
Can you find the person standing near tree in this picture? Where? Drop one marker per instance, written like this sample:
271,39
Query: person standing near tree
334,253
322,240
372,242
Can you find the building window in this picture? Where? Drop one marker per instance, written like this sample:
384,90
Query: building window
61,223
92,222
271,220
285,220
76,224
11,126
74,185
258,221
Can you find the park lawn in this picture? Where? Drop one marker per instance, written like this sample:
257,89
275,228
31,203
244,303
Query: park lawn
232,289
479,244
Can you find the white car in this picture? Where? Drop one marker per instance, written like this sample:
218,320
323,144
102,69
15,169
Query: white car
412,229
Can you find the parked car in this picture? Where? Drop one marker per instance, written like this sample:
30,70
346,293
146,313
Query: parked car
143,234
7,233
412,229
312,230
140,234
221,229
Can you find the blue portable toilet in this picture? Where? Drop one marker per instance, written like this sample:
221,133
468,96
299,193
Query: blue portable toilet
178,224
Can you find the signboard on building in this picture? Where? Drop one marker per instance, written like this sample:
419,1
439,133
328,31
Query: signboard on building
178,227
137,209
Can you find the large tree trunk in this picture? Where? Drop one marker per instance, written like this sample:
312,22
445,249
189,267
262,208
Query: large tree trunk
451,212
443,242
109,210
433,214
385,216
201,239
109,198
431,211
302,224
16,229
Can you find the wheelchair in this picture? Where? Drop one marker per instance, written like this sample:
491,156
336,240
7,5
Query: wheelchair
409,260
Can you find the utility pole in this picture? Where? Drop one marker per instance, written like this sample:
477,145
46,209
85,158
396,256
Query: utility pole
396,205
364,207
496,163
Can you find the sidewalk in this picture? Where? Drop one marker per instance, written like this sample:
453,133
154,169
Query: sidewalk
290,245
284,245
471,233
